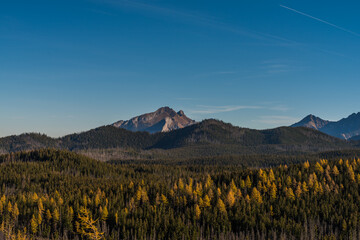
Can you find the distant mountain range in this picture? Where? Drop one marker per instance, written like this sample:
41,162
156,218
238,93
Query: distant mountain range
173,134
206,138
164,119
346,128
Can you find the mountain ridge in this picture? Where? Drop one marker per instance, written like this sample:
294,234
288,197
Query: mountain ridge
207,138
346,128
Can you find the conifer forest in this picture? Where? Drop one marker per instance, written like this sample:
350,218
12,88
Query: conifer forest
56,194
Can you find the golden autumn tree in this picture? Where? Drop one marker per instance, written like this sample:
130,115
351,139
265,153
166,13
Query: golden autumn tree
138,194
164,199
238,194
104,214
306,164
248,182
271,175
206,201
15,211
298,190
221,206
233,186
230,198
181,184
56,215
256,196
273,191
97,198
351,173
197,212
87,226
290,194
48,215
34,224
304,187
208,183
335,171
288,181
319,168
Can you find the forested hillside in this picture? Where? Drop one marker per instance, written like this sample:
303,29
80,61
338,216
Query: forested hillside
208,138
59,194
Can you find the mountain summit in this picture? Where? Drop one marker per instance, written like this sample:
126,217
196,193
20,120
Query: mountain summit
311,121
345,128
164,119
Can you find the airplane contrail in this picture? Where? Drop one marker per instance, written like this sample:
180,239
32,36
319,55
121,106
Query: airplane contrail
320,20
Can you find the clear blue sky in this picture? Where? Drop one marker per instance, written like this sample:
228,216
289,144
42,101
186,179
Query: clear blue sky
68,66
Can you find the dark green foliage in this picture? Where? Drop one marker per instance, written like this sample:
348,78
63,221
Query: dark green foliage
137,201
208,138
108,137
26,141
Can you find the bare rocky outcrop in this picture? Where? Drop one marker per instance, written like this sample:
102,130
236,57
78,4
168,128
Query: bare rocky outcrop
164,119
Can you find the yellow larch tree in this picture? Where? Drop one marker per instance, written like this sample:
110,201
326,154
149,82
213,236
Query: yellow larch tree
56,215
15,211
206,201
306,164
351,173
256,196
233,186
48,215
230,199
238,194
335,171
304,187
242,184
144,196
288,181
164,199
248,182
138,194
298,190
104,214
87,226
208,183
290,193
273,191
34,224
197,212
271,176
9,207
319,168
221,206
181,184
40,206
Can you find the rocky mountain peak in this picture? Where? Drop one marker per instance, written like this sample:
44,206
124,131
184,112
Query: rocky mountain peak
162,120
311,121
345,128
181,113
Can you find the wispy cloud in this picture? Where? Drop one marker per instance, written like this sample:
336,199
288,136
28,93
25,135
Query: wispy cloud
186,99
276,68
219,109
321,20
197,18
280,108
206,109
277,120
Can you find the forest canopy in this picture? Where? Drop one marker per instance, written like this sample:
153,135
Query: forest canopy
63,195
